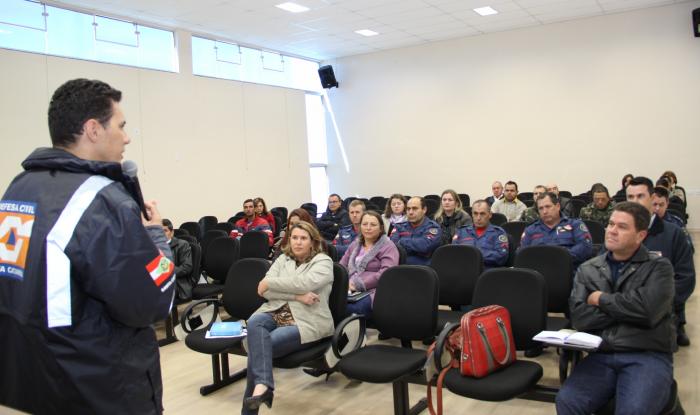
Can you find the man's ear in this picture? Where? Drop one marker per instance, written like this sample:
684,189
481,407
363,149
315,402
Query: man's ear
91,129
642,235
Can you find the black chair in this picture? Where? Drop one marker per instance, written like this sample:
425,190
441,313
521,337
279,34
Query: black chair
240,299
235,218
405,307
221,254
402,254
279,223
193,229
224,226
180,232
280,211
522,196
498,219
515,229
458,267
528,202
331,251
597,231
432,206
464,198
208,238
311,208
433,197
524,293
207,223
255,244
575,206
620,198
512,251
556,266
189,238
379,201
565,193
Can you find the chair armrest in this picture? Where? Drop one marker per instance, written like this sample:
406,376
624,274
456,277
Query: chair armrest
188,312
440,343
339,334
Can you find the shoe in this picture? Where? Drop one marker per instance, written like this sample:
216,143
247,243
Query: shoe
316,372
254,402
534,352
682,339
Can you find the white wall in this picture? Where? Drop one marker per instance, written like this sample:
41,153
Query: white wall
574,102
202,145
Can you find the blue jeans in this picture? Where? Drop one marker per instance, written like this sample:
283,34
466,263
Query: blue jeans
364,307
640,382
265,342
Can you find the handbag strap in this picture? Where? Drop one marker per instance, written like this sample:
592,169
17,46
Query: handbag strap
487,344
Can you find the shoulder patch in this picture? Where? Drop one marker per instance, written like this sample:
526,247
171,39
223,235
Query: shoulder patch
583,227
503,238
433,231
160,269
16,222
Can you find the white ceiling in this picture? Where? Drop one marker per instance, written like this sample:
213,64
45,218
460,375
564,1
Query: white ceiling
327,30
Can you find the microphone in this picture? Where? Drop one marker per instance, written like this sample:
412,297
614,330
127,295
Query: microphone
130,170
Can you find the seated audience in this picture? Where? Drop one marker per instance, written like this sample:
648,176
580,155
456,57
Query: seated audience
530,214
669,240
625,181
348,233
334,218
625,296
395,211
600,209
369,255
261,210
491,240
419,236
251,222
509,205
450,215
295,216
496,193
296,287
675,191
554,229
182,258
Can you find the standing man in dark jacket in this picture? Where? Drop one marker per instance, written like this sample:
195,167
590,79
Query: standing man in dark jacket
668,240
182,257
626,297
334,218
82,274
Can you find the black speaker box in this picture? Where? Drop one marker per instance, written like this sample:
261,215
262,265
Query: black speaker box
696,22
327,76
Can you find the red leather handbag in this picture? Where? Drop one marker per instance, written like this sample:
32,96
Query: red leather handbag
482,343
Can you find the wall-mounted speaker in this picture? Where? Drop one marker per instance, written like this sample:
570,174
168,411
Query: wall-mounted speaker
696,22
327,76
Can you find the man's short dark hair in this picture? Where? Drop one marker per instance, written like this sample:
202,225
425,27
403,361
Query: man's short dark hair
641,215
663,181
512,183
551,195
600,188
168,224
74,103
479,202
249,201
336,195
642,181
661,191
421,199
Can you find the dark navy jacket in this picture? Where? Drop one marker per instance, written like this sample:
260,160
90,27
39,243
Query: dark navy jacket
572,234
493,243
329,223
419,242
77,305
344,238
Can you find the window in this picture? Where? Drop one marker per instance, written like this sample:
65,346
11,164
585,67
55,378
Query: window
35,27
318,153
230,61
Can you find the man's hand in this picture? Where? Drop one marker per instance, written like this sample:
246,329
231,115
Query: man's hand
262,287
594,298
152,209
308,298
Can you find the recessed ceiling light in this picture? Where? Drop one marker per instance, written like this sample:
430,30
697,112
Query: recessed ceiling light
366,32
292,7
485,11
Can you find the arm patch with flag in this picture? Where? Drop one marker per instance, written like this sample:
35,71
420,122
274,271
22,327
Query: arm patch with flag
161,269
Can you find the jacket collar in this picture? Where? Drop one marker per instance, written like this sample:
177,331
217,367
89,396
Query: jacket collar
58,159
657,226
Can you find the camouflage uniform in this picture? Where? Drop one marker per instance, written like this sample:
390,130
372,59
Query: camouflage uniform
530,215
590,212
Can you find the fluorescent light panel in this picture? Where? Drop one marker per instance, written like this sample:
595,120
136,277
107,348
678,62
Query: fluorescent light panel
485,11
292,7
366,32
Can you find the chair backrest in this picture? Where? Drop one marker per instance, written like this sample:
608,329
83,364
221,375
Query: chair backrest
280,211
676,205
402,254
180,232
523,292
193,229
575,206
235,218
515,229
597,231
255,244
512,250
338,299
406,302
196,262
433,197
189,238
432,206
528,202
311,208
464,198
240,295
379,201
458,267
523,196
209,237
331,251
207,223
279,222
224,226
565,193
556,266
498,219
218,258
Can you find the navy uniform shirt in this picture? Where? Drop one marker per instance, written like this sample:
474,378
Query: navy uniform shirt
344,238
419,242
493,243
572,234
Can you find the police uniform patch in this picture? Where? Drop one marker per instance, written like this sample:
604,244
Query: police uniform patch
503,238
16,221
160,269
583,227
433,231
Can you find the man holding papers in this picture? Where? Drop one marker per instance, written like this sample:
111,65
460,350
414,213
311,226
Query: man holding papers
625,296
